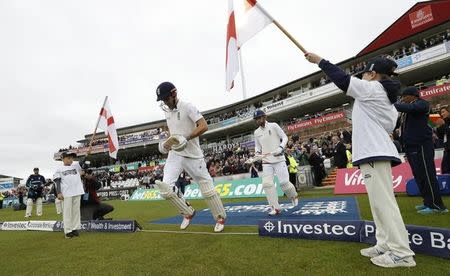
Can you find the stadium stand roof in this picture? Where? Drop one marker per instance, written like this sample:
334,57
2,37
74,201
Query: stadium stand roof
16,180
420,17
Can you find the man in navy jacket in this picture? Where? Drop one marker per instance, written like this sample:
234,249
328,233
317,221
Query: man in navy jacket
416,138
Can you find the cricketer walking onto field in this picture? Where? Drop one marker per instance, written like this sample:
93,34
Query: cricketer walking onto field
270,142
186,124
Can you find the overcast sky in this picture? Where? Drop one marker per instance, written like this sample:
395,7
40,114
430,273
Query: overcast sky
60,58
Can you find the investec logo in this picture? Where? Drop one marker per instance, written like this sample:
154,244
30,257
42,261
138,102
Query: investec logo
279,227
269,226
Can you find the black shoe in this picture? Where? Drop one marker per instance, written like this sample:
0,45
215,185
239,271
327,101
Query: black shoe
75,233
69,235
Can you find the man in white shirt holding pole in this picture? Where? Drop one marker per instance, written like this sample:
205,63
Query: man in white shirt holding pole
270,142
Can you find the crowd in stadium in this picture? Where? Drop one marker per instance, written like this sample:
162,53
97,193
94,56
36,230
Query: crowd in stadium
152,134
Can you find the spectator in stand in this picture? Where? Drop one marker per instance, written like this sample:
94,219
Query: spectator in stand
146,180
303,159
322,81
446,35
432,42
441,81
292,166
317,166
1,200
348,152
253,171
444,134
425,43
414,48
183,181
21,190
346,136
212,169
396,54
91,206
403,52
326,150
226,169
340,155
416,138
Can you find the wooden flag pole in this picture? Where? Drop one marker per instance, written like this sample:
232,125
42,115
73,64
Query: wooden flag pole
96,126
290,36
281,28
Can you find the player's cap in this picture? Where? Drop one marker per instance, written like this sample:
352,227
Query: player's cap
68,154
36,169
258,113
411,90
381,65
164,90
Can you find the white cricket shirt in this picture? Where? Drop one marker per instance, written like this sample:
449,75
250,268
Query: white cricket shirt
268,139
373,119
182,121
71,184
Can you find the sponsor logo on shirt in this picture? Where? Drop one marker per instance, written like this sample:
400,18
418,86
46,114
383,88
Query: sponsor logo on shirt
69,172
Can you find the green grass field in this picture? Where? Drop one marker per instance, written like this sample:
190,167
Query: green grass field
144,253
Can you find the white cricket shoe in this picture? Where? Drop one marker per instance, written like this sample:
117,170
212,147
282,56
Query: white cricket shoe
294,201
391,260
186,221
274,212
220,225
371,252
27,216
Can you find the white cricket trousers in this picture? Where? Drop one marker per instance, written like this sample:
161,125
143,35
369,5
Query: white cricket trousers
58,205
29,209
390,232
279,169
71,213
175,164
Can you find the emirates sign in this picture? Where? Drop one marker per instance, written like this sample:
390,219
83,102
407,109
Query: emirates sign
420,17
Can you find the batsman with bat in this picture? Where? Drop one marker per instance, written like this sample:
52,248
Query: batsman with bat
270,141
186,124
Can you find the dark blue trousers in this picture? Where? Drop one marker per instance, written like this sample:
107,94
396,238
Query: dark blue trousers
421,160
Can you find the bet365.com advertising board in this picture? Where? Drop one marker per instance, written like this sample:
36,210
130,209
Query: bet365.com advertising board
242,188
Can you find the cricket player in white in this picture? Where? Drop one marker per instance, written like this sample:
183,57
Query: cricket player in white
185,125
373,119
270,141
69,189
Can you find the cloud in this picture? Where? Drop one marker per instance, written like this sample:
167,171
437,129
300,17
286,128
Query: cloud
61,58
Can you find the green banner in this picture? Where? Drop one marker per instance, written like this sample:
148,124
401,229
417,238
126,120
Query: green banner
251,187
